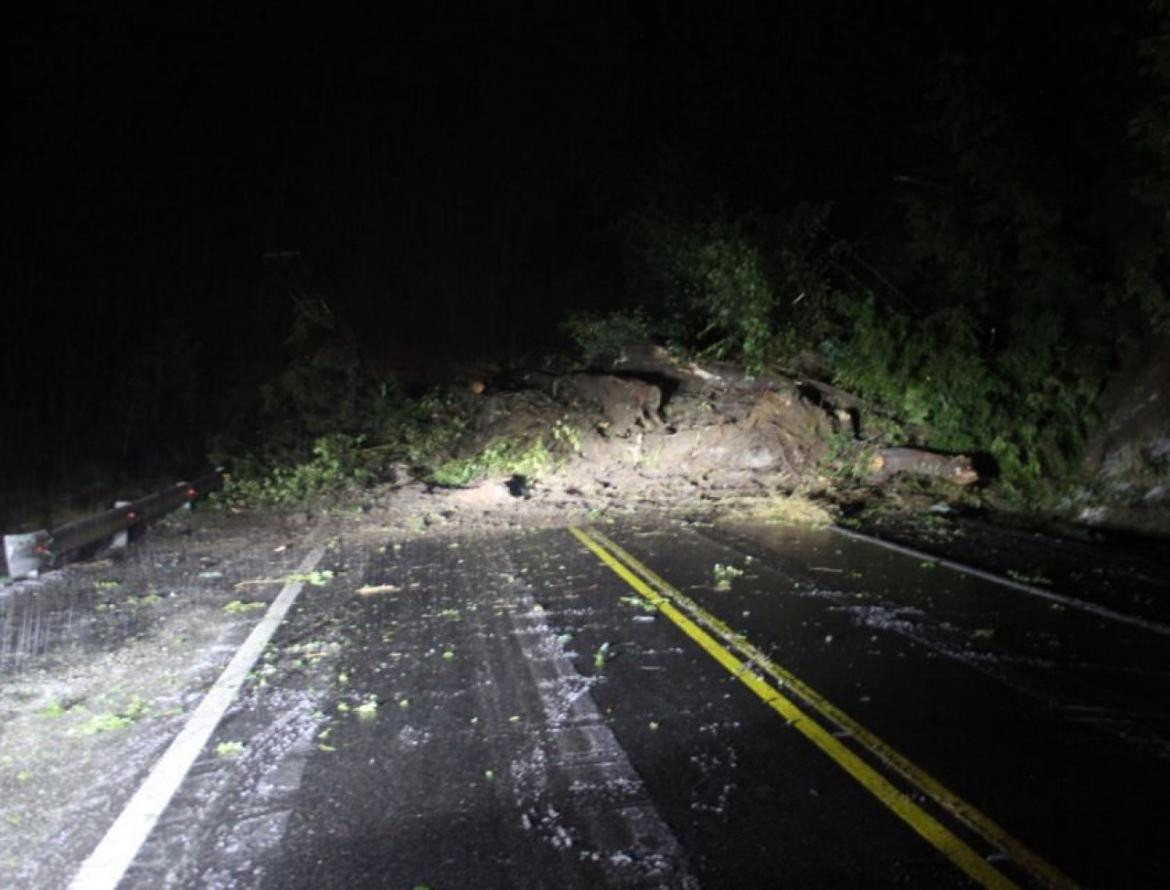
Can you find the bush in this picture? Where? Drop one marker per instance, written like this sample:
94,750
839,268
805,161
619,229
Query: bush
335,461
600,337
521,456
1028,403
1007,359
319,420
754,288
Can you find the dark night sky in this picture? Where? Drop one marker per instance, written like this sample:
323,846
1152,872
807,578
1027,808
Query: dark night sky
459,155
455,173
432,153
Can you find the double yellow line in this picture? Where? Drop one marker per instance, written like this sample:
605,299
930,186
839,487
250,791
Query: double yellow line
722,644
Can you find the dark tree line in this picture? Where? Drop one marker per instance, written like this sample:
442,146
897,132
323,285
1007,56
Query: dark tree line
794,182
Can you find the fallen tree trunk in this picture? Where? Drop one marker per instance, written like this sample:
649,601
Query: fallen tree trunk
957,469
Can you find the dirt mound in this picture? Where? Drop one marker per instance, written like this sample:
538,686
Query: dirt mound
686,431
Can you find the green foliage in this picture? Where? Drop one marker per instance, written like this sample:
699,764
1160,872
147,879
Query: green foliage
846,459
334,461
953,378
294,432
523,456
320,389
565,436
134,710
320,421
229,749
1003,352
991,367
728,284
418,430
1008,291
755,288
1012,352
710,279
600,337
928,372
239,607
103,723
1027,403
724,575
1142,291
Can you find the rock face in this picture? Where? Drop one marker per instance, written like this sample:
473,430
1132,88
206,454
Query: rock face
1127,463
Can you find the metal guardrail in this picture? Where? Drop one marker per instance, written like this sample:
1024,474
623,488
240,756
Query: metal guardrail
29,554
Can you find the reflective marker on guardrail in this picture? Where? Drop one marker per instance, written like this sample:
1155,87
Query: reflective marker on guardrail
28,554
25,554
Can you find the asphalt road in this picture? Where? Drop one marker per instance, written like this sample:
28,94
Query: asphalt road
673,706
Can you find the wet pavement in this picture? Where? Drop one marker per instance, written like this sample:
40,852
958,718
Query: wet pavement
508,710
101,663
1115,570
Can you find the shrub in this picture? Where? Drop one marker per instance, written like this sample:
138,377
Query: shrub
335,461
599,337
521,456
319,420
755,288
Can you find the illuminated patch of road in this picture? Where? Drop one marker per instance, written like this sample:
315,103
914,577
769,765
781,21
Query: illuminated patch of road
621,826
107,864
673,604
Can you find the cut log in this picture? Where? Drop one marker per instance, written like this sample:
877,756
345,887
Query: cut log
957,469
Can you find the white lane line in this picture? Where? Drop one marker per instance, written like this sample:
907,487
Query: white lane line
1071,602
107,864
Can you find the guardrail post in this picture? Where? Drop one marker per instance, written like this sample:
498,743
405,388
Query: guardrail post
121,538
26,554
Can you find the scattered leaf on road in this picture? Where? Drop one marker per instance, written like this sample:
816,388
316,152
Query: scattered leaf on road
368,708
236,607
370,589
